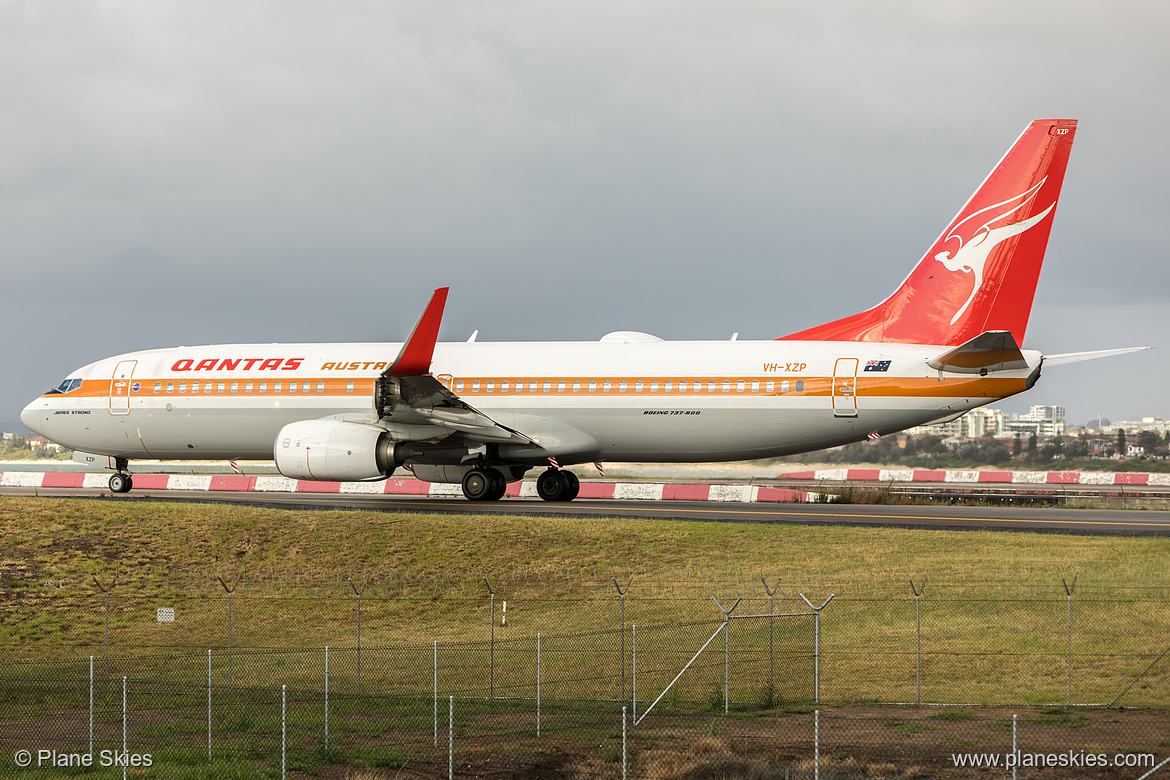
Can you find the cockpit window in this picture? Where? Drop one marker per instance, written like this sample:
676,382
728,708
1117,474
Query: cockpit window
68,386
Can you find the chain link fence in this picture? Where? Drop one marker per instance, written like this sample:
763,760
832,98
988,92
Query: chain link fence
831,677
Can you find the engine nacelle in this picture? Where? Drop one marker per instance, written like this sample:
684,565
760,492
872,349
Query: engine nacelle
335,451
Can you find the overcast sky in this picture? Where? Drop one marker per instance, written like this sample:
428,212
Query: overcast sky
190,173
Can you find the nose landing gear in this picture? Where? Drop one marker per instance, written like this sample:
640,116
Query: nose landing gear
121,482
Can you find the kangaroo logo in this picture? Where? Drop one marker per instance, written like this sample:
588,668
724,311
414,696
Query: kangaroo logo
979,234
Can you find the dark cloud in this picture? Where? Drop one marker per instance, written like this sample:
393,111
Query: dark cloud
184,173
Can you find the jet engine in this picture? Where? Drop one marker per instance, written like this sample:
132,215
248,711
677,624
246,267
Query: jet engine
335,451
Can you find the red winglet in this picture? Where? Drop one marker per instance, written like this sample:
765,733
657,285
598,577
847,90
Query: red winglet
415,357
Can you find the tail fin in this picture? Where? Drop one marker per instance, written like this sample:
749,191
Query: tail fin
981,273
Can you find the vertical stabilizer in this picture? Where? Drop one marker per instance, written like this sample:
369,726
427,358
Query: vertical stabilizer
981,273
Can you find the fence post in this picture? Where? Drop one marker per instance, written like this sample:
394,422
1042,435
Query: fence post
1015,744
230,592
1069,592
358,593
451,739
91,705
817,744
283,730
124,744
492,645
771,592
435,669
326,697
726,650
817,645
538,684
918,638
106,590
624,764
635,680
622,594
209,705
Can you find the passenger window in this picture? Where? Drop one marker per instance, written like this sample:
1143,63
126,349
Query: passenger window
547,386
276,386
235,386
348,387
666,386
638,386
158,387
264,387
519,385
305,387
727,385
593,385
247,387
320,387
194,387
653,387
682,385
491,385
504,386
606,386
770,386
475,386
561,386
170,387
458,385
755,385
783,385
219,387
699,385
576,387
182,387
739,385
292,387
207,387
800,385
622,386
711,386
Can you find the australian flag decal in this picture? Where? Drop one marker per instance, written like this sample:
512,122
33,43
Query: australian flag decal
878,365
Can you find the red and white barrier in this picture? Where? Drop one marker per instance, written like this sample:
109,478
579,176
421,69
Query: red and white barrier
962,476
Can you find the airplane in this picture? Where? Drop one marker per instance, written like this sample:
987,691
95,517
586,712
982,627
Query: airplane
483,414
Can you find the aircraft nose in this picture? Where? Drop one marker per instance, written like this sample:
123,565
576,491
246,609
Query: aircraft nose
30,418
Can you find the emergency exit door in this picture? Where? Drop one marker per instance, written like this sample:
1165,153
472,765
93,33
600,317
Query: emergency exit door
120,387
845,387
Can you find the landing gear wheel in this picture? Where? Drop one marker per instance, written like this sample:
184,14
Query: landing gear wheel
572,483
478,484
499,485
121,483
550,486
557,485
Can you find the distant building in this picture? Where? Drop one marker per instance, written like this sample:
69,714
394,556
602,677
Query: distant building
43,443
1155,424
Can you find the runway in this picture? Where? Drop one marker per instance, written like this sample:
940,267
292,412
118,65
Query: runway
1109,522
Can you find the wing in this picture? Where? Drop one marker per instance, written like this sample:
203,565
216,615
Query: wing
413,405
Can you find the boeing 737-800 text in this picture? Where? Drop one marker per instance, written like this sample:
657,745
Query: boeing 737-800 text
947,340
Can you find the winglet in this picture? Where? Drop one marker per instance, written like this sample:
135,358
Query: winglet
419,348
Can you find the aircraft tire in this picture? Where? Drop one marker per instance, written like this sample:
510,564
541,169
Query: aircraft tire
551,486
478,485
121,483
499,485
572,485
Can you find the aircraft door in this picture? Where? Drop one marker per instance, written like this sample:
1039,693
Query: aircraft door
120,385
845,387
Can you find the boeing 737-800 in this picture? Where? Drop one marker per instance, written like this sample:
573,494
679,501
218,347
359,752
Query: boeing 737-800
481,414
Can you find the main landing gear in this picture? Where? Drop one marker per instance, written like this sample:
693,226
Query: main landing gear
482,484
121,482
557,485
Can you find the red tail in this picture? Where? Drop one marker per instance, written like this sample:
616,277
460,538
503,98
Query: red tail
981,273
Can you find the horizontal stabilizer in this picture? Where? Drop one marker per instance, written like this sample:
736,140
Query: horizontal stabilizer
1077,357
995,350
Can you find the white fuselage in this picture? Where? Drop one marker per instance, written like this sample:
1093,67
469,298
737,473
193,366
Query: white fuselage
650,400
